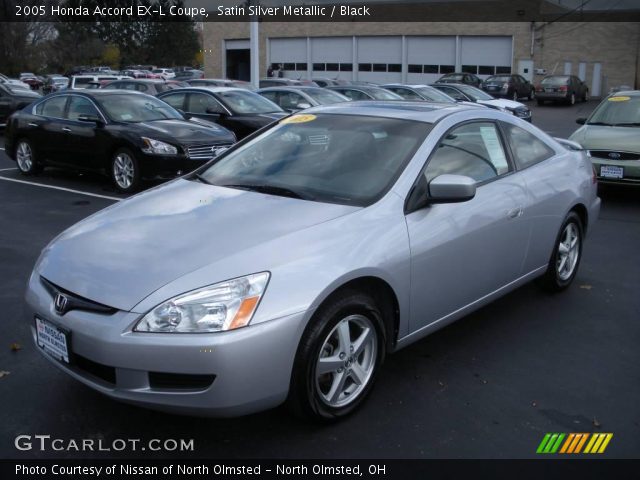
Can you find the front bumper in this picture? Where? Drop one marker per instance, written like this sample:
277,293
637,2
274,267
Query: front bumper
165,167
553,96
630,169
237,372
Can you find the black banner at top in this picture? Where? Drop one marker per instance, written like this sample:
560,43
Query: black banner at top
345,11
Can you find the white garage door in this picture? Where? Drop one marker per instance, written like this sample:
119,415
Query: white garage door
428,58
291,53
379,59
485,56
332,57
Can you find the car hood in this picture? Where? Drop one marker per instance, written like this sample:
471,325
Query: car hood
124,253
187,132
503,103
600,137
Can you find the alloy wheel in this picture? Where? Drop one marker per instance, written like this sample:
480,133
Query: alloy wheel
24,157
123,170
568,252
346,361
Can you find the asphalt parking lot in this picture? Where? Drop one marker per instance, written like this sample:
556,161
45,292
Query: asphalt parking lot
488,386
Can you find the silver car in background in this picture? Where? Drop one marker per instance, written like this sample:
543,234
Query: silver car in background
291,265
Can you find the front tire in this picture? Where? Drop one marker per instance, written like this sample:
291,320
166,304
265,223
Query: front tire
338,358
26,158
572,99
125,171
532,94
566,255
514,96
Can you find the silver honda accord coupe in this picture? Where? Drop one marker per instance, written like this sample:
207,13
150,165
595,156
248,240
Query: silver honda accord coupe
288,267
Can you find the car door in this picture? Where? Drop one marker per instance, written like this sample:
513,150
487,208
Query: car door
45,129
462,252
205,106
82,139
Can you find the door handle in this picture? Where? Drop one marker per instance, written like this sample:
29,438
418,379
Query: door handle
66,129
31,124
514,212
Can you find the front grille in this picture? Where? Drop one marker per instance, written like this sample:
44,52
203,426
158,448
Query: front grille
614,155
206,152
103,372
76,302
179,381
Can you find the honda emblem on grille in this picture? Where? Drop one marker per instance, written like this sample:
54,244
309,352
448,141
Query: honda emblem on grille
60,304
614,155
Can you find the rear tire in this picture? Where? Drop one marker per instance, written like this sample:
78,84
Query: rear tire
532,94
514,96
565,259
338,358
26,158
572,99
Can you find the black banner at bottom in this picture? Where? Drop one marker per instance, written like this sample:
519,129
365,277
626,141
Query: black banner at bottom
539,469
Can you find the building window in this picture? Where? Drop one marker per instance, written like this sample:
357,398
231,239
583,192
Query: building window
486,70
346,67
470,69
364,67
394,67
289,66
319,67
415,68
500,70
447,68
430,68
301,66
333,67
379,67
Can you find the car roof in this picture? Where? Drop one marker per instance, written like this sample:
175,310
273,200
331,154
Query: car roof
292,87
141,80
211,89
428,112
415,85
97,92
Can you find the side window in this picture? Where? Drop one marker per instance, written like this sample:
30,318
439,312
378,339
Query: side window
53,107
473,149
290,100
81,106
270,96
176,100
527,149
141,87
203,103
356,95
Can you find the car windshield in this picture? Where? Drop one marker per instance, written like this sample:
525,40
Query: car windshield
381,94
247,102
434,95
498,78
324,158
323,96
475,93
617,110
137,108
453,76
562,80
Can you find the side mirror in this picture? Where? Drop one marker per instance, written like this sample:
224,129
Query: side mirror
183,113
303,105
449,188
91,119
581,121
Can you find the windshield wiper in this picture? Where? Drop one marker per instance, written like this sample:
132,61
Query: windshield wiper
627,124
202,179
270,190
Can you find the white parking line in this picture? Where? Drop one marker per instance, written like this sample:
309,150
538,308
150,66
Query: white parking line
80,192
2,148
5,169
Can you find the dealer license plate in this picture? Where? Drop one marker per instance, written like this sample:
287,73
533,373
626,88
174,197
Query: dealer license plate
610,171
53,340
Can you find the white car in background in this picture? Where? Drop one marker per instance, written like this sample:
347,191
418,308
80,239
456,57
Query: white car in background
165,73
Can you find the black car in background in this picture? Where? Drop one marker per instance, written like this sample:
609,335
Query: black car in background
365,92
466,78
562,89
130,136
240,110
509,86
147,85
12,99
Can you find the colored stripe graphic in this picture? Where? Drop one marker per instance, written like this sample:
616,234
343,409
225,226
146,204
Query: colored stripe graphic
573,443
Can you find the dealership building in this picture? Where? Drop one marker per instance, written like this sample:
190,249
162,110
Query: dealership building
604,54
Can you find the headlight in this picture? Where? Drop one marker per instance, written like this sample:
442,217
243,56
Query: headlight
223,306
157,147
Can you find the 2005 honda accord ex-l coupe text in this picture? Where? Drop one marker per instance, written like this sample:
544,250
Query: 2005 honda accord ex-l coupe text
290,265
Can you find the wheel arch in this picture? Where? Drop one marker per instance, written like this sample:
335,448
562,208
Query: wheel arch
583,213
